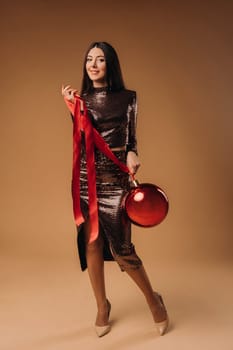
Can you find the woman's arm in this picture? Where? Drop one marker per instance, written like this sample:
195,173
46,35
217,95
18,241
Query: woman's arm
132,160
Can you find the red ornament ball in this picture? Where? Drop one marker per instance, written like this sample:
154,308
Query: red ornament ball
146,205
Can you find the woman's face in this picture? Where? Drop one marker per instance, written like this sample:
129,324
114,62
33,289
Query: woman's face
96,67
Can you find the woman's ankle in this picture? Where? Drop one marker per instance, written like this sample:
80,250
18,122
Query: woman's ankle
157,309
103,314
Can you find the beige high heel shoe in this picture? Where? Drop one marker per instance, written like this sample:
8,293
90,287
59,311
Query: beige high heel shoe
102,330
163,325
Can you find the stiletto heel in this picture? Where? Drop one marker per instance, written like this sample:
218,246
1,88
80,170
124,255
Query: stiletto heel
102,330
163,325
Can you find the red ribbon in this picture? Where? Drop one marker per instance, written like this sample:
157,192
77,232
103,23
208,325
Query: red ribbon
92,139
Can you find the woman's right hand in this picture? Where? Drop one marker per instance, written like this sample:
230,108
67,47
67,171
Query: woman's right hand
68,92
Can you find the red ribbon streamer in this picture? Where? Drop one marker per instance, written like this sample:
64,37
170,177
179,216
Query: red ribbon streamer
92,139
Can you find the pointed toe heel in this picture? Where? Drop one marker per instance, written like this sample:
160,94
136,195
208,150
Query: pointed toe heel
162,326
103,330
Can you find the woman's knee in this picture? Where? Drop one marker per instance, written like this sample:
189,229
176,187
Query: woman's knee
94,246
126,257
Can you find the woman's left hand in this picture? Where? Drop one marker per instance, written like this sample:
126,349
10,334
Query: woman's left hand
132,162
68,92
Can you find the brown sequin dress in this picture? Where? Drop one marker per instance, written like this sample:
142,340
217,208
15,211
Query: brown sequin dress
113,114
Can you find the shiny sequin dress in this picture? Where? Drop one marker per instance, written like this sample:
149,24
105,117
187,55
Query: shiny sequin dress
113,114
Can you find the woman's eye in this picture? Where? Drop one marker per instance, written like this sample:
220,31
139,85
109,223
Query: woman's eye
100,60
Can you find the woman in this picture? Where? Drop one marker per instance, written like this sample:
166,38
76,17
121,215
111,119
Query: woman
112,110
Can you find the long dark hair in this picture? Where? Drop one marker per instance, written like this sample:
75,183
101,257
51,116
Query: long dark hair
113,74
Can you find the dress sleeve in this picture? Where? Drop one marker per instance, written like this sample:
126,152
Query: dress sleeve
132,123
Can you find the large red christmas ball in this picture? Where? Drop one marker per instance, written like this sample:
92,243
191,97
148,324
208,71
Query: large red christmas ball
146,205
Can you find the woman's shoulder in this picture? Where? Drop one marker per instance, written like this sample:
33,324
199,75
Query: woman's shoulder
131,94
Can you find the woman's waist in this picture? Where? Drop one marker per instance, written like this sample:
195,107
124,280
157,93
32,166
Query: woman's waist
97,151
103,164
118,149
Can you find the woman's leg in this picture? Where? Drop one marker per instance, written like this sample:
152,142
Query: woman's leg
130,262
95,265
140,277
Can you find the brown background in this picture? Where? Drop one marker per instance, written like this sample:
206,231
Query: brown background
178,56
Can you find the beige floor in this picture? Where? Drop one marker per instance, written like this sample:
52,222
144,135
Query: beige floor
49,306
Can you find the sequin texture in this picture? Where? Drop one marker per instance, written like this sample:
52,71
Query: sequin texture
113,114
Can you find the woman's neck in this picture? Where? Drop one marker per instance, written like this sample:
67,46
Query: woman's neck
97,84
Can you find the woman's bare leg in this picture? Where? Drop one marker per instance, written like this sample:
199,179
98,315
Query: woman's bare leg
140,277
95,265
